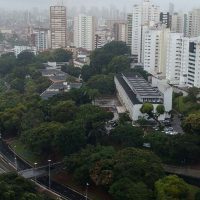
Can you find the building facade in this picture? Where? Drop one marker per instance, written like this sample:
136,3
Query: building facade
20,49
40,39
84,32
129,26
143,15
155,50
133,91
58,27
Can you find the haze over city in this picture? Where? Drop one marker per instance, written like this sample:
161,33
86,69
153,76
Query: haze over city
25,4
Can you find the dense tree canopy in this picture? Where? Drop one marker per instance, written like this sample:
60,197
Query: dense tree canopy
119,64
129,170
177,149
172,187
113,57
103,83
61,55
13,187
191,124
127,136
127,189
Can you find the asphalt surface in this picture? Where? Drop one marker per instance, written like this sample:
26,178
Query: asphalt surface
60,189
21,166
176,124
4,167
10,156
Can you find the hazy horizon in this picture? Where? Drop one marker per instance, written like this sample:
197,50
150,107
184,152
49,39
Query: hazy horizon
44,4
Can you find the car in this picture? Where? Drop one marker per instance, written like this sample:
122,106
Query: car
170,129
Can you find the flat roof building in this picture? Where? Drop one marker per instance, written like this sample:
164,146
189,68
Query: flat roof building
133,91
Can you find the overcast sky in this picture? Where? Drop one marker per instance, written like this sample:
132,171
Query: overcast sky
24,4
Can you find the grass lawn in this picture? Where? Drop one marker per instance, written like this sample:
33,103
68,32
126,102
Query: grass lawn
94,193
23,152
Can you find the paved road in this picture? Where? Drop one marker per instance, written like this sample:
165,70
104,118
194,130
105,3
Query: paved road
21,165
4,167
66,192
176,124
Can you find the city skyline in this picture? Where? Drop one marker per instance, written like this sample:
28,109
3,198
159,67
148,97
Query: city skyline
24,4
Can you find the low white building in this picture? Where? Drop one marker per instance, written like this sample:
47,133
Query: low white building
19,49
133,91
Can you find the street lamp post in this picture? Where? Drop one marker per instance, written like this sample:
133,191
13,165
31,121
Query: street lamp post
86,193
49,173
35,164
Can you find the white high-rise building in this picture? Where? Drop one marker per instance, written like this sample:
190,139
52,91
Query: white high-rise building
84,32
178,23
40,39
143,15
193,78
58,27
177,59
194,23
155,50
129,29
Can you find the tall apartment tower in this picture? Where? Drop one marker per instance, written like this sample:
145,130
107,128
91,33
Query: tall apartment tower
84,32
166,18
58,26
155,50
194,23
40,37
129,26
178,23
143,15
177,59
119,30
193,79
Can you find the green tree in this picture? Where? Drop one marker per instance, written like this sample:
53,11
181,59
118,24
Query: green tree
92,120
61,55
7,63
100,58
11,120
160,109
193,93
176,149
191,124
126,189
71,70
25,58
92,163
45,56
13,186
127,136
147,108
119,64
103,83
42,139
63,111
172,187
138,165
71,139
18,84
93,94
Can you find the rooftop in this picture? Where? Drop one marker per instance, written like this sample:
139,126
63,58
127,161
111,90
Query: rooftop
138,89
58,87
141,87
